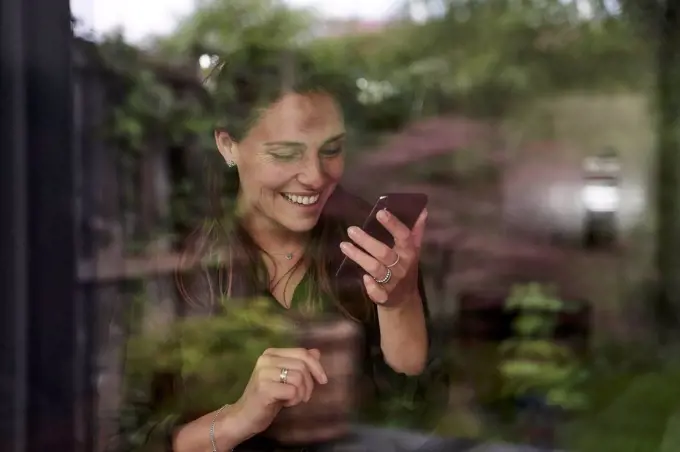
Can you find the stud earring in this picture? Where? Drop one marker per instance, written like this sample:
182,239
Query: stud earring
231,163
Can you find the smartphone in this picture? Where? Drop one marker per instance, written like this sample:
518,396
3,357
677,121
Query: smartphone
406,207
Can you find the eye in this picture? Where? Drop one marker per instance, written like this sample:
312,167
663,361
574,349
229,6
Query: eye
285,155
332,150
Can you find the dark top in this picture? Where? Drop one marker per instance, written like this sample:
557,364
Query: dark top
151,426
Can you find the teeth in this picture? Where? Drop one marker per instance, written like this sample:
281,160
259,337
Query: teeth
303,200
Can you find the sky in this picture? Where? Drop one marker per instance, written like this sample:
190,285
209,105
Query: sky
139,18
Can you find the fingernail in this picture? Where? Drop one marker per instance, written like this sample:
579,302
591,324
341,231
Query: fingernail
344,246
352,230
324,379
383,215
425,213
367,279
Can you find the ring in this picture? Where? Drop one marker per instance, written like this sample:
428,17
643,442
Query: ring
395,262
283,376
386,279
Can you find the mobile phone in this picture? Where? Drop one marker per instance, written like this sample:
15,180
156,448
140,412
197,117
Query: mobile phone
406,207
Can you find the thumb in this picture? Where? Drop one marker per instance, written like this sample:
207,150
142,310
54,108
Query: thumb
315,352
419,229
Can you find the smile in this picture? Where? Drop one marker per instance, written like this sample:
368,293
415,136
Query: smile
301,200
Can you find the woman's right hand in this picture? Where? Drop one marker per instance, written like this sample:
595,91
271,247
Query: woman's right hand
265,394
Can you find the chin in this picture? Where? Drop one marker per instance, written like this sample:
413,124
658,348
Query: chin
300,225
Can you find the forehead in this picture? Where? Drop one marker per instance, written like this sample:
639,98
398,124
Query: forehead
299,117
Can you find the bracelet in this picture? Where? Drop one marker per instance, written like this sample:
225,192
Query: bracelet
212,428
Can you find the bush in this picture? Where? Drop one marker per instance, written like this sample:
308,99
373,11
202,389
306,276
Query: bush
213,355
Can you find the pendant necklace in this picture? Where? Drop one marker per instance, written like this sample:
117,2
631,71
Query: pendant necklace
287,256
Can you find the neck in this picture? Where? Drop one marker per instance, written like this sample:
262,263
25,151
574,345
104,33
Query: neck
271,237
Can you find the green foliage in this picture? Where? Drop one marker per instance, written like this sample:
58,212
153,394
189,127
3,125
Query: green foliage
225,26
532,362
481,57
148,106
532,296
213,356
216,354
487,56
632,412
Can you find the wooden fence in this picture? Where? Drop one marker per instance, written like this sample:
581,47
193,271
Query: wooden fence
108,221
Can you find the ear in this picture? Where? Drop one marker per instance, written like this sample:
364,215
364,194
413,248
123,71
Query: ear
226,145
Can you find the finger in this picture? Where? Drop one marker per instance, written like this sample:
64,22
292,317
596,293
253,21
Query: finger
372,266
419,229
375,291
399,231
305,355
301,379
277,392
383,253
293,365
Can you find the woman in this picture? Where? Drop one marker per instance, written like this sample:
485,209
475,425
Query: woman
293,220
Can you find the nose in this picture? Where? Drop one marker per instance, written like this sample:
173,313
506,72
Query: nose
313,174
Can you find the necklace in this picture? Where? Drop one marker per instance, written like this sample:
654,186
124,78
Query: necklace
287,256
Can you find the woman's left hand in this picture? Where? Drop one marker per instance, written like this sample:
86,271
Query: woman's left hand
392,273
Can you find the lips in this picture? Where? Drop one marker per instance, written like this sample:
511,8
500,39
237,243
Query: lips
302,200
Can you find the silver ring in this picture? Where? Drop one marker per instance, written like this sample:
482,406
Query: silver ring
283,376
386,279
395,262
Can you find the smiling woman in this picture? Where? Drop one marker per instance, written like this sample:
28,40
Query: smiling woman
289,226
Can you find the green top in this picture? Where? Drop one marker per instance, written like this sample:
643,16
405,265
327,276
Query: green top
302,291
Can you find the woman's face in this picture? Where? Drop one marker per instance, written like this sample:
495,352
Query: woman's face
291,160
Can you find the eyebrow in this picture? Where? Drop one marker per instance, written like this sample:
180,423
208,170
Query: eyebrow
284,143
335,138
297,143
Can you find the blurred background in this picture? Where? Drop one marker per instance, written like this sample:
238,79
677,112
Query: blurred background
543,131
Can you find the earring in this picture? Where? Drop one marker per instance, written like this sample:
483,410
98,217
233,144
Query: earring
231,163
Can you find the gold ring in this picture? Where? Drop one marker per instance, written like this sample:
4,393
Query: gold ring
283,376
395,262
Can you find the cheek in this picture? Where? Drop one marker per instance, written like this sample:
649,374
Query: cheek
334,168
265,179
